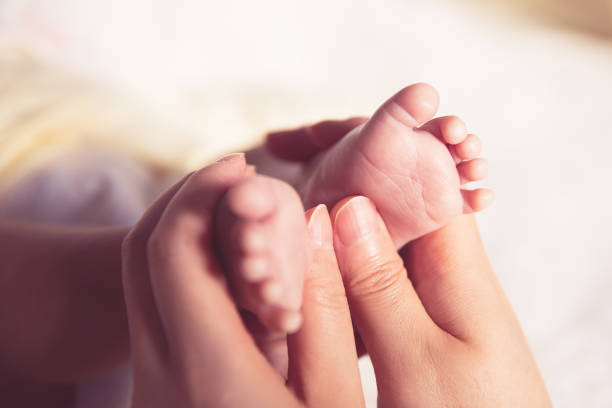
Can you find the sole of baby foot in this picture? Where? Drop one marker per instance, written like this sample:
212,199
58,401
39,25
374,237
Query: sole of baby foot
264,247
412,166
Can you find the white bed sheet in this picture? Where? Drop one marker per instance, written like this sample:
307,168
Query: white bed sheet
539,97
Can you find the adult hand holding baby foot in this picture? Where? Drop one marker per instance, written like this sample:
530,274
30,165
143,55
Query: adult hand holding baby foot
442,332
414,322
438,334
189,346
430,346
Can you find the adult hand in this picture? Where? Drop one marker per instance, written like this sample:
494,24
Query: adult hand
189,346
441,333
303,143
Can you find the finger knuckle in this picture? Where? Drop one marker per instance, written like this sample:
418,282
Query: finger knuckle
377,277
160,245
184,231
133,242
326,294
155,244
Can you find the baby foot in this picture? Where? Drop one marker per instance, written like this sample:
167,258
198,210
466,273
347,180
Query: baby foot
411,166
262,237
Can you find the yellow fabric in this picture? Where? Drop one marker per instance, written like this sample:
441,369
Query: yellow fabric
45,112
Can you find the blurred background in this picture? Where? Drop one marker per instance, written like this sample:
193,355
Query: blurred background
138,91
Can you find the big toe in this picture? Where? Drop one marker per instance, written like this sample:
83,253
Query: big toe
413,105
253,198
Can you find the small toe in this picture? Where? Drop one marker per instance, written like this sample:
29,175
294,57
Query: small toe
253,269
472,170
279,320
469,148
476,200
449,129
412,106
252,238
270,291
290,321
453,130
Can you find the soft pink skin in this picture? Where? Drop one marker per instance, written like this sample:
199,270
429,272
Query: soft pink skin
263,241
404,164
411,166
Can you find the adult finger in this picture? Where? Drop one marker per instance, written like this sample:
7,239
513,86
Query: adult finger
303,143
452,275
389,315
323,369
146,333
206,339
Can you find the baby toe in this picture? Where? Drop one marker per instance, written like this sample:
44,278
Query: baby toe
252,198
270,291
476,200
472,170
411,106
469,148
252,238
282,320
253,269
452,129
449,129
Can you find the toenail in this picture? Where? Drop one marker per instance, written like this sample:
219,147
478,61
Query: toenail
254,268
290,321
355,219
271,291
253,241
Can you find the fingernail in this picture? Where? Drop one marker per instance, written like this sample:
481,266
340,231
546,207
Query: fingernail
319,227
231,158
250,170
355,219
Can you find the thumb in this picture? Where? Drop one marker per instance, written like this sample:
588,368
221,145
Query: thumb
384,305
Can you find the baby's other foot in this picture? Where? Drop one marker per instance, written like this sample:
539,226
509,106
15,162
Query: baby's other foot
411,166
262,237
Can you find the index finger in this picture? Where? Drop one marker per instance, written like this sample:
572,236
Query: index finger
208,345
